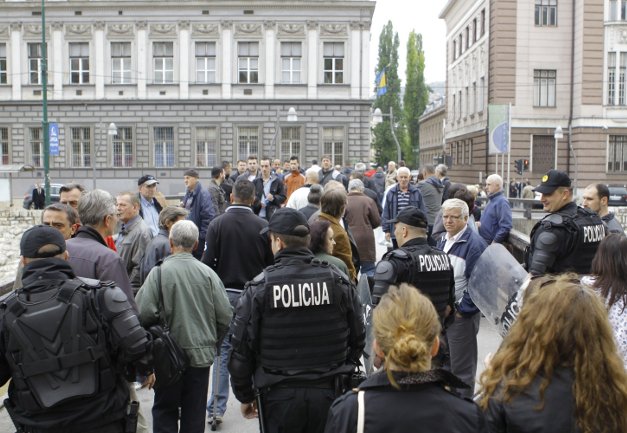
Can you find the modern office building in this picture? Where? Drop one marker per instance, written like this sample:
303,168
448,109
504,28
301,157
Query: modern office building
561,65
185,83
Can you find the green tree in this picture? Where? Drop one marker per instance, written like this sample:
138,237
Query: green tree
384,144
416,96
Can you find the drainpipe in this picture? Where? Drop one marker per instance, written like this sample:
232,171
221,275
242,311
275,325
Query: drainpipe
572,90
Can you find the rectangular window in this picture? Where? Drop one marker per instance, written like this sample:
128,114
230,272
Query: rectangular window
205,62
163,62
164,146
623,10
474,30
611,78
544,88
3,63
454,49
333,53
81,147
333,144
621,79
34,62
290,143
543,152
617,154
248,62
483,22
461,44
460,105
247,141
474,97
206,147
79,63
467,107
618,10
467,36
291,58
481,93
122,144
120,62
4,146
35,139
546,13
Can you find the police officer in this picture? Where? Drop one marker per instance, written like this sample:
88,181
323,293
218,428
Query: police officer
567,238
416,263
297,327
62,340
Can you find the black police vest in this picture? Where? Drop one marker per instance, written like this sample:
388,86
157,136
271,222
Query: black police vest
304,325
55,346
429,270
585,231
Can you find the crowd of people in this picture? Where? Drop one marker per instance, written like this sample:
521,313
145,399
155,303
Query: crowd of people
255,272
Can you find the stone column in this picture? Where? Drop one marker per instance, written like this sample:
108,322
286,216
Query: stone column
16,61
56,79
366,85
312,60
99,59
355,59
142,53
227,60
184,73
270,30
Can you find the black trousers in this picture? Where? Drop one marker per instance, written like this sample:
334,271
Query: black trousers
296,410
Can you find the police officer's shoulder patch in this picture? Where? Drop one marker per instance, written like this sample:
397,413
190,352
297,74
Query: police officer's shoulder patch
553,219
258,278
400,253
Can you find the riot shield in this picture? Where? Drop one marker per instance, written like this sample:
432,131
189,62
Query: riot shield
365,298
496,280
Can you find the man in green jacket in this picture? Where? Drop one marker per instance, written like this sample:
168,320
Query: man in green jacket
198,313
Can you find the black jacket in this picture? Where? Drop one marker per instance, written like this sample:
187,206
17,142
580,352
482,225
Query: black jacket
423,404
277,189
520,414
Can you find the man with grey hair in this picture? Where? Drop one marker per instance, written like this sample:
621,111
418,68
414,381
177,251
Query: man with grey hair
496,219
464,247
397,198
197,311
362,217
90,256
440,172
390,176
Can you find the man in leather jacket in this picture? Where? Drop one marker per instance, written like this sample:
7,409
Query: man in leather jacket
64,343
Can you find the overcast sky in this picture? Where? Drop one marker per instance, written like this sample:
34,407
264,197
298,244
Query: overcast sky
420,16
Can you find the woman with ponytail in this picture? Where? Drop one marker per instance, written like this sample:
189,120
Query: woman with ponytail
406,395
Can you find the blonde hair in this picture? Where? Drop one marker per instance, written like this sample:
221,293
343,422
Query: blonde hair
405,327
563,324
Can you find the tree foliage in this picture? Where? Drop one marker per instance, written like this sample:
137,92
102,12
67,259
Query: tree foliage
384,144
416,95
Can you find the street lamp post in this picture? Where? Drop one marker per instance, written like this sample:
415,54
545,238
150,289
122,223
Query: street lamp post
377,117
557,135
111,131
292,116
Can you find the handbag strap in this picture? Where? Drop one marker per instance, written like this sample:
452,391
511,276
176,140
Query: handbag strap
361,411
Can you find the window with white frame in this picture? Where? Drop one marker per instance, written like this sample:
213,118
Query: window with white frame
460,105
79,62
617,154
34,62
333,53
5,156
248,62
621,78
163,62
205,62
546,13
81,147
474,30
454,50
164,146
481,93
467,106
291,59
3,63
544,82
333,143
474,97
482,22
122,143
247,141
35,144
611,78
618,10
120,62
290,143
206,146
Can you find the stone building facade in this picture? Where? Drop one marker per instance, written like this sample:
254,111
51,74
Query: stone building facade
186,83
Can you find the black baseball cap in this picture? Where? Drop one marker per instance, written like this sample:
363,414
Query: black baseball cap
288,221
39,236
191,173
147,179
551,181
412,216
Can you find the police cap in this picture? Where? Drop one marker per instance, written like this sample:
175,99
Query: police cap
551,181
288,221
412,216
39,236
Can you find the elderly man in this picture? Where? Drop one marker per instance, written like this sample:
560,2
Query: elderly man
396,199
133,237
595,198
568,237
496,219
149,205
464,247
196,309
198,202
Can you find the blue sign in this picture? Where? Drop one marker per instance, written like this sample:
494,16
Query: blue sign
53,136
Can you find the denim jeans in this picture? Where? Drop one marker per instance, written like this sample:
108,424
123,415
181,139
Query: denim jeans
367,268
222,381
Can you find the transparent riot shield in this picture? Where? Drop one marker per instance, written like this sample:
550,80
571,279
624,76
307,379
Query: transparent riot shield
495,281
365,298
